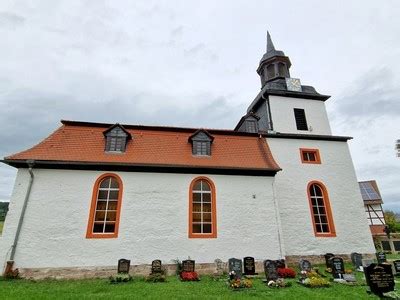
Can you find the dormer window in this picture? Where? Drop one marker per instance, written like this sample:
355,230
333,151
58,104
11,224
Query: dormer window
248,123
116,138
201,143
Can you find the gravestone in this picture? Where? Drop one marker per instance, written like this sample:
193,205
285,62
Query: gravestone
337,267
188,265
249,266
219,269
123,266
396,265
156,267
380,278
236,266
328,256
381,257
305,265
356,258
270,270
280,263
367,262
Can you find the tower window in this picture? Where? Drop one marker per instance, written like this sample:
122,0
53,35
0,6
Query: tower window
300,117
251,126
310,156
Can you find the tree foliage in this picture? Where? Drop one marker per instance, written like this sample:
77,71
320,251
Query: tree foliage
392,221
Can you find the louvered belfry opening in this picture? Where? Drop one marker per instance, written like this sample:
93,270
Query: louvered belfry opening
301,121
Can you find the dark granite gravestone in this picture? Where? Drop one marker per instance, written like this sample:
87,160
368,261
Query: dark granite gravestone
328,256
356,259
188,265
379,278
305,265
396,265
235,265
280,263
156,267
270,270
381,257
123,266
249,266
337,267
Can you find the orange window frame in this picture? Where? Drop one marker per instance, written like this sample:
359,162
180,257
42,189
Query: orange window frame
213,233
327,205
314,151
89,231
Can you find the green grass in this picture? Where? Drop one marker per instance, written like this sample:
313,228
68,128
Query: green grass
1,226
207,288
393,256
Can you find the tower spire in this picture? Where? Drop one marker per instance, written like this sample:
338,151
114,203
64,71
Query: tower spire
270,44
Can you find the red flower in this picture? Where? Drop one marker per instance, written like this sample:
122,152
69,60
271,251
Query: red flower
286,273
189,276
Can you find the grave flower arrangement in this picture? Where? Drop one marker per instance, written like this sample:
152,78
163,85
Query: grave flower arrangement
286,273
313,280
189,276
279,283
120,278
238,283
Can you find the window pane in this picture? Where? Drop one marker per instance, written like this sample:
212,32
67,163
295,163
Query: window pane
206,186
207,197
305,156
101,205
196,197
112,205
315,210
317,189
206,207
196,217
207,217
318,227
325,228
100,216
197,207
98,227
113,195
105,183
197,186
323,219
316,219
320,202
103,195
196,228
322,210
386,246
206,228
111,215
311,156
114,183
110,227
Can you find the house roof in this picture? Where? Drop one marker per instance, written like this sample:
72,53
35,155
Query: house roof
156,147
370,192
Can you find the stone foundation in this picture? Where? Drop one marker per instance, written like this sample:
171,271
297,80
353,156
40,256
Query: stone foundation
144,270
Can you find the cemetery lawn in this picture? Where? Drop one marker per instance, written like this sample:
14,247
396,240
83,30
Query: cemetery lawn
207,288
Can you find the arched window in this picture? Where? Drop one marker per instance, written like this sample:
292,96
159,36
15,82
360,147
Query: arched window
321,213
105,207
202,209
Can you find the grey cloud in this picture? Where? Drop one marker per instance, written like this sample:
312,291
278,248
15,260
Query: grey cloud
177,31
195,49
10,20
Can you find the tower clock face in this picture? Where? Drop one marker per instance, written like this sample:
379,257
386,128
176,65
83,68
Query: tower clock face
293,84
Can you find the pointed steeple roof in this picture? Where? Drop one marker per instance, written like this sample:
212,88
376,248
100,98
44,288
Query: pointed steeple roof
271,51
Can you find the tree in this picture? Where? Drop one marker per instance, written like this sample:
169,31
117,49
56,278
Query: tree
391,221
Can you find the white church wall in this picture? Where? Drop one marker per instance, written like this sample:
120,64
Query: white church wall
283,115
153,225
337,173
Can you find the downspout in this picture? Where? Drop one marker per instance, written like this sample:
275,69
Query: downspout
10,263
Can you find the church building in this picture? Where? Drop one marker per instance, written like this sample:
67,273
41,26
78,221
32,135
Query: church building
278,185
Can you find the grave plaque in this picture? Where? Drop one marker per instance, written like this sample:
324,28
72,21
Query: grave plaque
396,265
123,266
356,258
328,256
270,270
379,278
236,266
156,266
188,265
337,267
305,265
381,257
349,277
249,266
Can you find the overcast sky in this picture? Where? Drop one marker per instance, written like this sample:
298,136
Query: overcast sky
192,63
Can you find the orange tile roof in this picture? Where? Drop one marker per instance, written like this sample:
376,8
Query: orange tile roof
151,146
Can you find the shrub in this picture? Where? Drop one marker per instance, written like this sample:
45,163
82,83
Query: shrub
286,273
316,282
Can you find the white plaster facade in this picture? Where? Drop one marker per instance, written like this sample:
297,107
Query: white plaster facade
153,225
337,173
283,116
